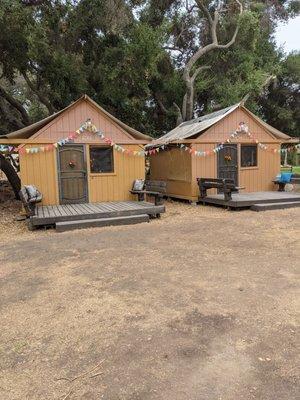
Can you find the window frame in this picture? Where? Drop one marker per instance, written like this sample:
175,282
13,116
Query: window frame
113,172
249,145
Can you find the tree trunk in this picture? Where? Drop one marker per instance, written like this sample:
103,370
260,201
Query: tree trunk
189,102
11,175
189,72
285,163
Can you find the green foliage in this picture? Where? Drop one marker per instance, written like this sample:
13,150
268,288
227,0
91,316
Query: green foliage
117,52
280,104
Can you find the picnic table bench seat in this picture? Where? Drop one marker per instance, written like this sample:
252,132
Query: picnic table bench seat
227,186
157,189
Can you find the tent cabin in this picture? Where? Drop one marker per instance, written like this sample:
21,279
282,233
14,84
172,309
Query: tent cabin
80,154
229,143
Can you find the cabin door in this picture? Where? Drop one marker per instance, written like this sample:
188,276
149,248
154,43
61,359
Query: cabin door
72,174
228,162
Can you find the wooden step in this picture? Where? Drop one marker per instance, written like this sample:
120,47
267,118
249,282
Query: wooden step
89,223
275,206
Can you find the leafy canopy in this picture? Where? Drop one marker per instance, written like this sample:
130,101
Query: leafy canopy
119,53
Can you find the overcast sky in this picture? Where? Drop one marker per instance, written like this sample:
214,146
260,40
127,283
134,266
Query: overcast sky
288,35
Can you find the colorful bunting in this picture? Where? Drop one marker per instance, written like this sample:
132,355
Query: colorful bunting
88,126
242,129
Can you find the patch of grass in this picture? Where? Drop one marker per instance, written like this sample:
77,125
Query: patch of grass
295,170
18,346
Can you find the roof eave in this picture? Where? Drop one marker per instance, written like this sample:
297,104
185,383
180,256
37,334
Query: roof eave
30,130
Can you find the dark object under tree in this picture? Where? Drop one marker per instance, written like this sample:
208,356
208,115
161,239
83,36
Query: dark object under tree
11,175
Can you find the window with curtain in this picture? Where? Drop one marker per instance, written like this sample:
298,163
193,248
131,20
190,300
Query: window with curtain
248,155
101,159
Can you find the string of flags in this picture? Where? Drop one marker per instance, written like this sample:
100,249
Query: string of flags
88,126
242,129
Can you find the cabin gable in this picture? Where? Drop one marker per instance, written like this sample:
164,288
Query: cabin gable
221,131
70,121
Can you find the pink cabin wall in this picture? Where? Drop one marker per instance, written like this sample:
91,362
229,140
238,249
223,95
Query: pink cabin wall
222,130
71,120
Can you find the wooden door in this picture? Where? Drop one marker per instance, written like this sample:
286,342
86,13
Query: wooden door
72,174
228,162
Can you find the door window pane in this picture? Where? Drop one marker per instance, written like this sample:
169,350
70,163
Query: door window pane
101,159
248,155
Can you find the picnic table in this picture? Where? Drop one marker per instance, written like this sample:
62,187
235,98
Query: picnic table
227,186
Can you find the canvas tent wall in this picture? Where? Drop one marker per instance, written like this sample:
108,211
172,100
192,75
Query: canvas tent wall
180,169
51,170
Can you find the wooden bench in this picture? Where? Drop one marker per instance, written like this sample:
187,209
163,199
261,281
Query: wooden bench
29,195
226,185
157,189
295,179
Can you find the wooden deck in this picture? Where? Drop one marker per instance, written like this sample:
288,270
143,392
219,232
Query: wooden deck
50,215
246,200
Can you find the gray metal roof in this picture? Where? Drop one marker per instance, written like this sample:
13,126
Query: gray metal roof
190,128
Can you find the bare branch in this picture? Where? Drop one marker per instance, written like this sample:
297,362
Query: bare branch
225,46
205,11
213,28
184,105
192,61
189,76
179,115
162,106
173,48
198,70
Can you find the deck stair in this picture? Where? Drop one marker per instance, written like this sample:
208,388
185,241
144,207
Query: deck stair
100,222
275,206
247,200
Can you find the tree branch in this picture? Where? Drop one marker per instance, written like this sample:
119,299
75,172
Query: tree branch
162,107
205,11
40,96
16,105
213,29
198,70
173,48
225,46
9,116
32,2
188,76
179,114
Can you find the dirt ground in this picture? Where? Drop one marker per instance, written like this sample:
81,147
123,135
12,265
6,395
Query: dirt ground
200,305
